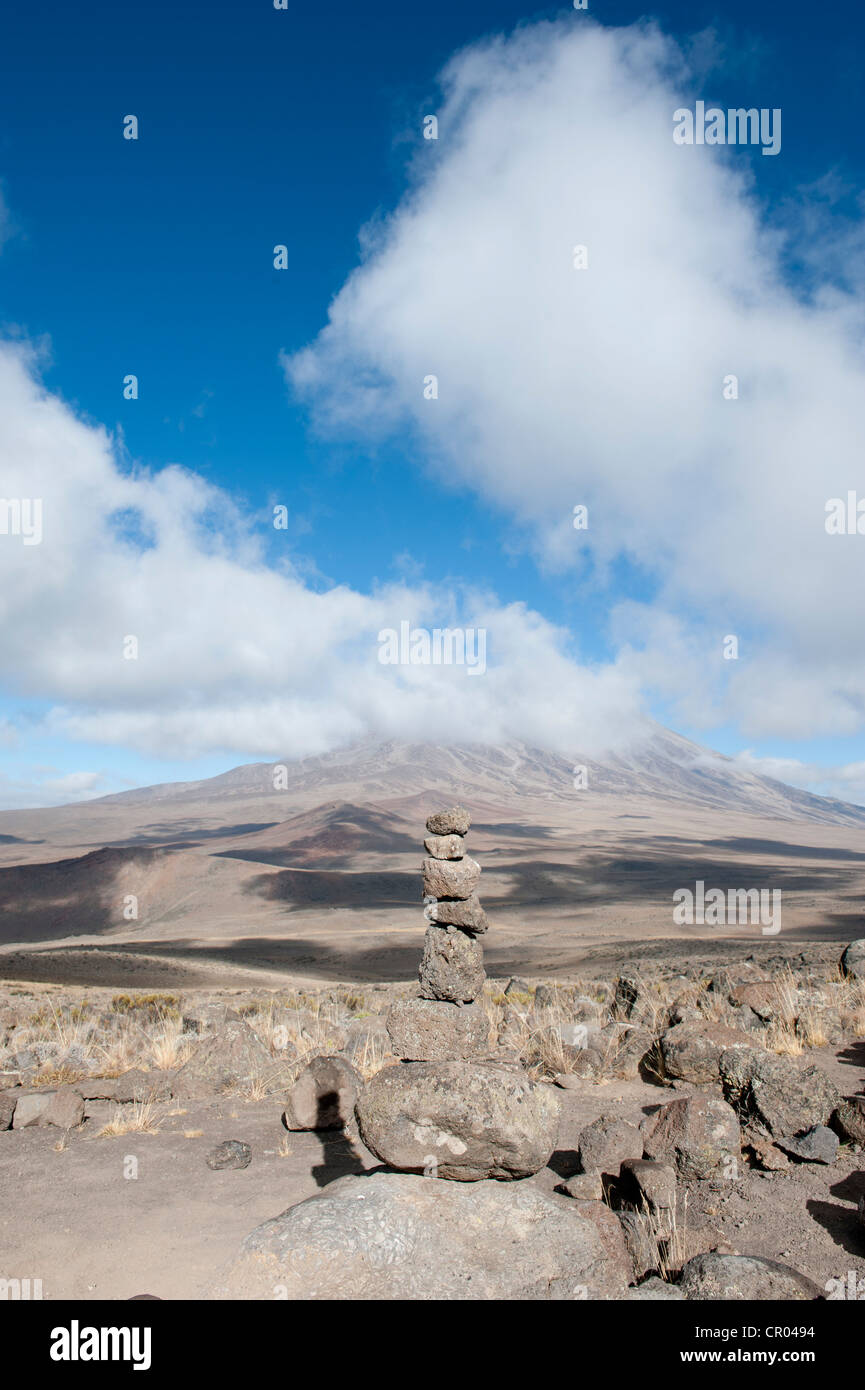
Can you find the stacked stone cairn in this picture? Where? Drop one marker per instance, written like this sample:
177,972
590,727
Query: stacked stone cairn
450,1110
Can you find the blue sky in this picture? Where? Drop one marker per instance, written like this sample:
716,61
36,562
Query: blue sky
154,257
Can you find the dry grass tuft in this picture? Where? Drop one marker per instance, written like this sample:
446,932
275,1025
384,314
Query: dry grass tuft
138,1117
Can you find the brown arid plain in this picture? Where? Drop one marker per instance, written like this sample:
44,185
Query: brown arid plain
180,964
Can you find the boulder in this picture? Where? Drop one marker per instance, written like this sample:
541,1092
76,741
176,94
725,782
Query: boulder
692,1051
848,1119
323,1096
232,1058
817,1145
466,913
461,1120
629,995
445,846
444,878
728,1278
137,1085
452,965
649,1184
585,1187
853,960
31,1108
775,1093
762,996
455,821
699,1134
604,1145
65,1109
231,1153
431,1030
630,1050
396,1237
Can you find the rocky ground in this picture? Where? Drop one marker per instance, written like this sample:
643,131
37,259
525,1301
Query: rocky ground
708,1107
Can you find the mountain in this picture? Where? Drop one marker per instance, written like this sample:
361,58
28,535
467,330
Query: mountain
314,862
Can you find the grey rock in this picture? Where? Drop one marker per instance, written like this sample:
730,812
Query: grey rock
464,1120
323,1096
817,1145
30,1109
849,1119
692,1051
444,878
700,1134
853,960
455,821
546,997
445,846
231,1059
631,1050
773,1092
452,965
585,1187
395,1237
431,1030
517,986
645,1182
604,1145
137,1085
761,996
98,1088
65,1109
231,1153
466,913
207,1018
628,990
729,1278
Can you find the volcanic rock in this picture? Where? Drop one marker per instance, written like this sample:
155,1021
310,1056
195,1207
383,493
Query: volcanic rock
461,1120
452,966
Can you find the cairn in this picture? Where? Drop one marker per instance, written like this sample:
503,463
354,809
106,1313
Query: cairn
450,1109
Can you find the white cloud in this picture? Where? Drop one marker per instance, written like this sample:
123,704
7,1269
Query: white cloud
604,386
845,781
234,656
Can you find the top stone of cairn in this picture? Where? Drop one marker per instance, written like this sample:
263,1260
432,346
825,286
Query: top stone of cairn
455,821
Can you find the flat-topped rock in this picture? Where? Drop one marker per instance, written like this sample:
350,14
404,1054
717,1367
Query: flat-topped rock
432,1030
